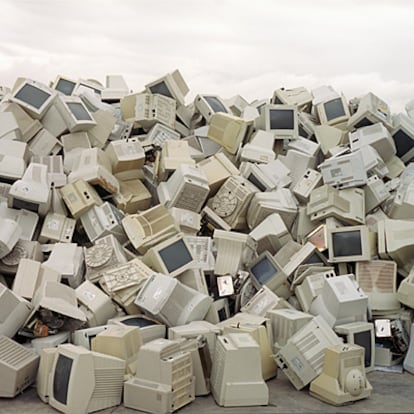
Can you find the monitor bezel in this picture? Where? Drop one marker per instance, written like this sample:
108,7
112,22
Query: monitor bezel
323,119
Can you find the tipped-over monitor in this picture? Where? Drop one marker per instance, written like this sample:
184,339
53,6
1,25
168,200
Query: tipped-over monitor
403,136
343,379
33,97
333,111
18,367
208,105
64,85
83,381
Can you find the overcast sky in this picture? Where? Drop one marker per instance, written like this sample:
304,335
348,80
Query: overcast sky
225,47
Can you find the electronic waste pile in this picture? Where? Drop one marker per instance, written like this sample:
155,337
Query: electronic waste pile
153,250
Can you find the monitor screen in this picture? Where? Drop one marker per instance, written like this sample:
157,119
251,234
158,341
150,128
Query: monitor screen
137,321
347,243
61,379
363,123
281,119
162,89
65,86
253,179
32,96
26,205
264,270
334,109
364,339
403,143
79,111
215,104
175,256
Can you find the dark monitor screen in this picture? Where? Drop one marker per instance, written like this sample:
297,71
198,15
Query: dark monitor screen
32,96
255,181
334,109
364,339
403,142
264,270
347,243
137,321
222,314
362,123
79,111
215,104
27,205
175,255
313,258
281,119
162,89
65,86
61,379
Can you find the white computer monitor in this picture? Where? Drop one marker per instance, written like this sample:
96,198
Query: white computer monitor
343,378
236,375
208,105
18,367
172,256
229,131
403,136
85,381
299,96
266,271
378,279
83,337
333,111
340,301
281,120
405,292
64,85
34,97
75,113
362,334
301,359
171,85
350,244
171,302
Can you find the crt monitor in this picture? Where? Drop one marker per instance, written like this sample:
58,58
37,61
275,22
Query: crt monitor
265,270
333,111
64,85
349,244
18,367
173,256
83,381
403,136
208,105
281,120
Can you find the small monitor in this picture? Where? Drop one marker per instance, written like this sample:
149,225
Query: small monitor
85,381
34,97
18,368
403,136
349,244
266,271
208,105
171,85
362,334
343,379
64,85
333,111
171,257
299,96
75,113
281,120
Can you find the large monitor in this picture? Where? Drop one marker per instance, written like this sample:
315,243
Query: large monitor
343,379
83,381
171,85
333,111
172,256
236,376
341,301
229,131
378,279
362,334
301,359
350,244
403,136
171,302
18,367
75,113
281,120
33,97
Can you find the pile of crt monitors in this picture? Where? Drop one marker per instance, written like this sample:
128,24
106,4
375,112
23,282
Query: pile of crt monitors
153,250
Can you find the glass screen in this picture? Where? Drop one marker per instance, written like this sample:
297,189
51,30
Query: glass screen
215,104
61,378
334,109
65,86
403,143
364,339
32,96
162,89
281,119
347,243
175,256
79,111
264,270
